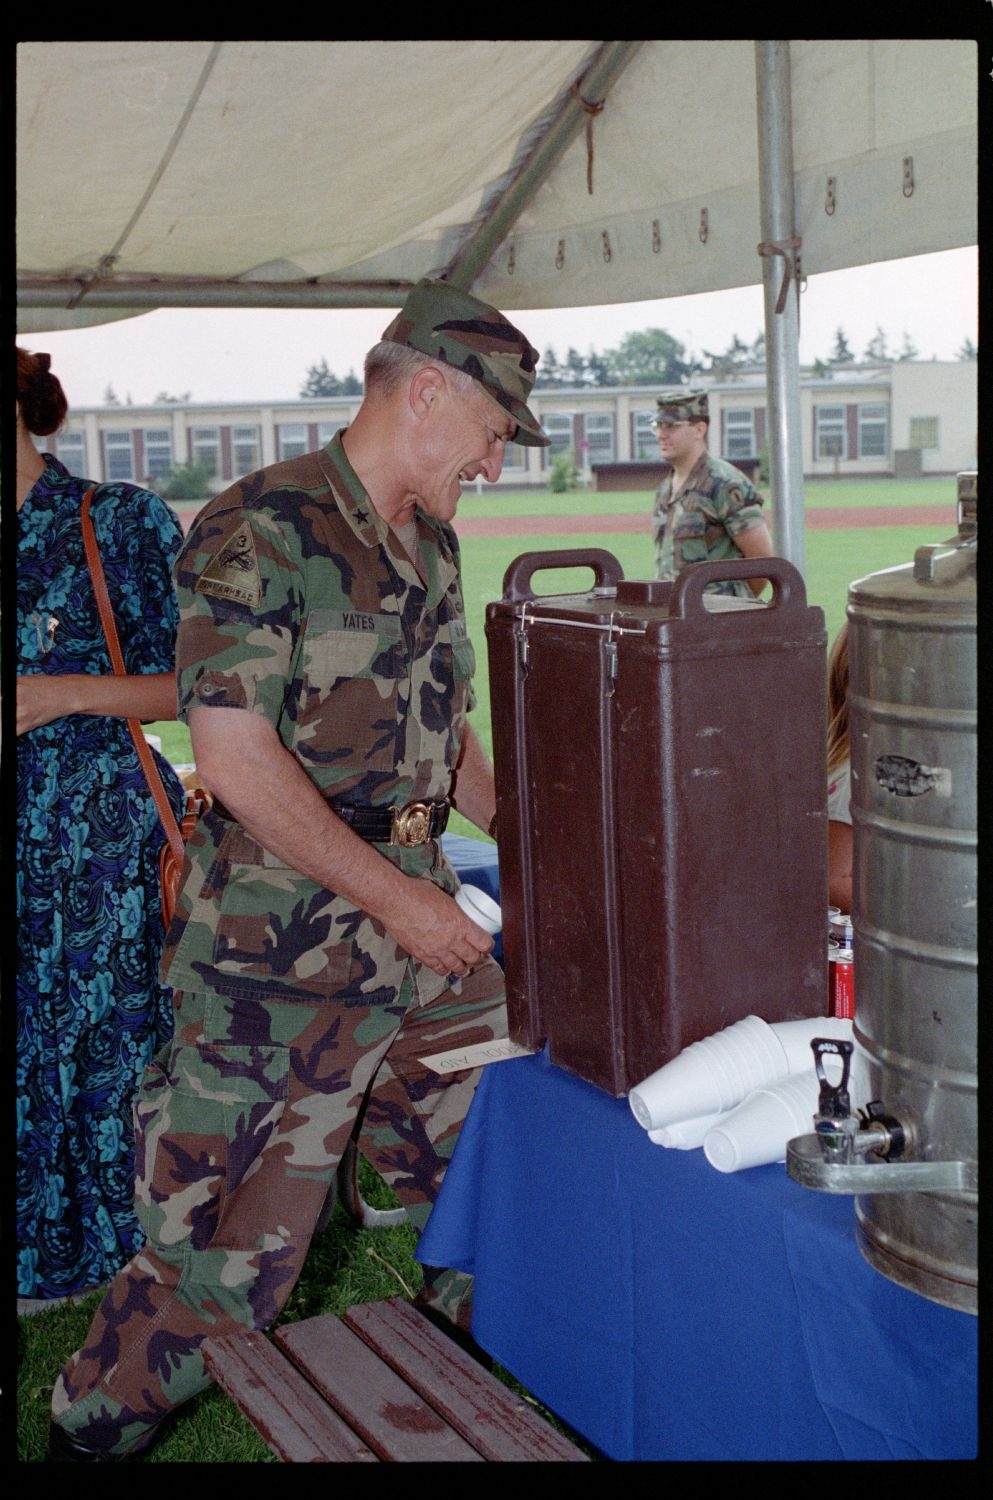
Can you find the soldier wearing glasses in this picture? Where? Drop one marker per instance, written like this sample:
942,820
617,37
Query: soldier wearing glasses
317,953
705,509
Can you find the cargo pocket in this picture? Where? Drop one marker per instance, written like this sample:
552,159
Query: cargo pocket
278,929
203,1117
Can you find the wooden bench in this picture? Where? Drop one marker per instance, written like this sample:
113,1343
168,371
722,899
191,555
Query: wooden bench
380,1384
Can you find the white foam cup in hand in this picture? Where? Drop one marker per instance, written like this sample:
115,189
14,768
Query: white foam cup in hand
796,1036
756,1133
481,907
711,1075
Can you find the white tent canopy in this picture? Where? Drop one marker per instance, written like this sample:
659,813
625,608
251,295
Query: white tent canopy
192,173
540,174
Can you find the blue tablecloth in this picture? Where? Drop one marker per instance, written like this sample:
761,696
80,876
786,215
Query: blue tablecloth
669,1311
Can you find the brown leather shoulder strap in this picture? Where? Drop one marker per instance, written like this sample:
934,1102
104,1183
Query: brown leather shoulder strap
152,776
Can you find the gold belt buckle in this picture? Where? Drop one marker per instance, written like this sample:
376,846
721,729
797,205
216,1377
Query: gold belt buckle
411,825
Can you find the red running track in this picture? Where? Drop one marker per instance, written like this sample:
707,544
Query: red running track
828,518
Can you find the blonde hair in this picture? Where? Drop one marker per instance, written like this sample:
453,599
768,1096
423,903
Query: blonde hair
837,689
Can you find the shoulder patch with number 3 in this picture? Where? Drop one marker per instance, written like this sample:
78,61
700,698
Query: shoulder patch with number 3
233,571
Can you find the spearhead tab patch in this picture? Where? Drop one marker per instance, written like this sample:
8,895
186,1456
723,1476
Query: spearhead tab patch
233,571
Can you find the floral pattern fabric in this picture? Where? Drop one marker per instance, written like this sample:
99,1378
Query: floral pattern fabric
90,1009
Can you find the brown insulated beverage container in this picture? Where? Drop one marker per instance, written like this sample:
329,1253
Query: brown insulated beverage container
661,808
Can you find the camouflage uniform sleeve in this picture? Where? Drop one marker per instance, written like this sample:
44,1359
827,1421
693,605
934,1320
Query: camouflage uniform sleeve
736,504
240,586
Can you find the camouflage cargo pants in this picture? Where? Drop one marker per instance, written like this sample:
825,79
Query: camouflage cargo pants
240,1124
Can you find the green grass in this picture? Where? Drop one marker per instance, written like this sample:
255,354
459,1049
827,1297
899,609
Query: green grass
834,558
346,1265
848,494
818,494
852,494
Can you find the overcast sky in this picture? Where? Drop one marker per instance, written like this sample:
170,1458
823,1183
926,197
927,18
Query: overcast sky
258,355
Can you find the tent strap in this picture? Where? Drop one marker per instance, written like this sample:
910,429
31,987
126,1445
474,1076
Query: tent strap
591,111
783,247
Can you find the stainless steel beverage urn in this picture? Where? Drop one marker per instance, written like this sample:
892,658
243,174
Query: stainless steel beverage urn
910,1156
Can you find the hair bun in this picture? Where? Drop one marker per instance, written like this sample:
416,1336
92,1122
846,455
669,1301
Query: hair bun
39,394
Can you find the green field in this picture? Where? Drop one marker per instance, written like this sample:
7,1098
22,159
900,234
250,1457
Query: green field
834,558
818,494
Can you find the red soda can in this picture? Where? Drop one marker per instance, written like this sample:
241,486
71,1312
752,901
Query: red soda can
841,970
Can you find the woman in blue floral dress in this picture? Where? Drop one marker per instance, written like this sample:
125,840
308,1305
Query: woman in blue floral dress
90,1009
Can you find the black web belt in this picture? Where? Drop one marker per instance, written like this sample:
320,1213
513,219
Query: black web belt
409,826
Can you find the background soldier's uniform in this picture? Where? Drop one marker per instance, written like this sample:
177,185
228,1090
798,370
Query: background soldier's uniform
298,604
716,504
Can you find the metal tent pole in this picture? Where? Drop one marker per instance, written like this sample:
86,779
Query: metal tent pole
779,249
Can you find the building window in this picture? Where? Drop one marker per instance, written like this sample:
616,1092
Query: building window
70,449
158,452
291,439
558,425
205,444
830,442
924,432
327,430
873,431
120,455
514,456
598,430
245,453
739,433
645,443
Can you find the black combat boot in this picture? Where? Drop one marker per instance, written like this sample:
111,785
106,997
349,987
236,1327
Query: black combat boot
68,1448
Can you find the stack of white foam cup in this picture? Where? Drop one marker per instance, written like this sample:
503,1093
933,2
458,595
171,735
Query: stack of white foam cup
741,1093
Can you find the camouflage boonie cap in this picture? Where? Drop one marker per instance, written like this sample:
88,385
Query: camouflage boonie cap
689,408
455,328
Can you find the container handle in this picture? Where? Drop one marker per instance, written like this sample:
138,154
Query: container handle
788,590
607,571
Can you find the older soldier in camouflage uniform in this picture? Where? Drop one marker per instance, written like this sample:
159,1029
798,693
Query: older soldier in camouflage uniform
317,953
705,509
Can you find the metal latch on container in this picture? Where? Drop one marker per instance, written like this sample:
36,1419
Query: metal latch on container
521,637
610,652
610,657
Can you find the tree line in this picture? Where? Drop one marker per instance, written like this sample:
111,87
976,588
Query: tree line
322,381
653,357
649,357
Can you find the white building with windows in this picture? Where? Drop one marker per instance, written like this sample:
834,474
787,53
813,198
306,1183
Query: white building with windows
906,418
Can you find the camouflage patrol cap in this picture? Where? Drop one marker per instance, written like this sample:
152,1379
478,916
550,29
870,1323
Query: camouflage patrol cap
689,408
455,328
